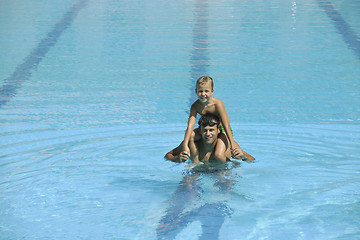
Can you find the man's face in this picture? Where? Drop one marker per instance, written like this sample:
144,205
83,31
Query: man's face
209,134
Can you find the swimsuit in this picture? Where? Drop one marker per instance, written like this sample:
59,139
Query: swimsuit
223,129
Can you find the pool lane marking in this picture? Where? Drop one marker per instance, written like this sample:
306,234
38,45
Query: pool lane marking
347,33
199,60
23,70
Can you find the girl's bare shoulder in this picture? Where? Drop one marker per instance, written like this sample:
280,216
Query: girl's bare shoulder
217,102
195,104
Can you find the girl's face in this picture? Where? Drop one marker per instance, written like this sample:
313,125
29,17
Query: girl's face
204,92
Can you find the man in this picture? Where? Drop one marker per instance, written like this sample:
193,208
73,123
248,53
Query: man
211,138
183,205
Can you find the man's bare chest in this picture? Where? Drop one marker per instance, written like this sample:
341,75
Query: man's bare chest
206,156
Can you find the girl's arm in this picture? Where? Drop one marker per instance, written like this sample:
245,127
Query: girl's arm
220,108
190,128
226,124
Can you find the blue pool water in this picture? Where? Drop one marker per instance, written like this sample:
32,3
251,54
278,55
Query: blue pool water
94,93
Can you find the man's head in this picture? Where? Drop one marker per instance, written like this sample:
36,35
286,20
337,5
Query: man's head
209,128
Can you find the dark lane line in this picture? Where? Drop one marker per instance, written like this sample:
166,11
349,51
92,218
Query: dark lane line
199,60
347,33
23,70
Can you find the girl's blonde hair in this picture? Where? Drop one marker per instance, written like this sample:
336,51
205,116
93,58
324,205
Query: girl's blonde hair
205,79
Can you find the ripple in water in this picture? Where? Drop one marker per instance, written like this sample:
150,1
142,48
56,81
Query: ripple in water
68,179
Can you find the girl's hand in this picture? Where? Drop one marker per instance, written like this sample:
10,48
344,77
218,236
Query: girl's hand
237,153
184,155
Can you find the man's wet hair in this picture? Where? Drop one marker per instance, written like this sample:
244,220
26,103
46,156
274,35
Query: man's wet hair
209,119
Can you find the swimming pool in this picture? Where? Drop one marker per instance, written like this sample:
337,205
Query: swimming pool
94,93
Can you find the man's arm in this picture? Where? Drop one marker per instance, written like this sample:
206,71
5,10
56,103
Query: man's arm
225,152
177,155
222,150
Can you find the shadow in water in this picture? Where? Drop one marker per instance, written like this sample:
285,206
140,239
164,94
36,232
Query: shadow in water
188,195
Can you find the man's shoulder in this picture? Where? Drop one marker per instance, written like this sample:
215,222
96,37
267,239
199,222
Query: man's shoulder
222,137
